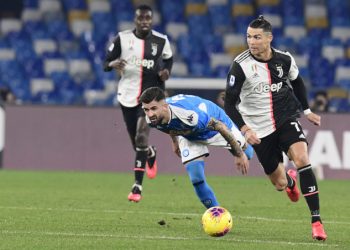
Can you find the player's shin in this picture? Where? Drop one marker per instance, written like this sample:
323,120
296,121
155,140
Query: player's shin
309,189
140,163
195,170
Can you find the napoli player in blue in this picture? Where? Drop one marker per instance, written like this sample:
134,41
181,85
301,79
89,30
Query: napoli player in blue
194,123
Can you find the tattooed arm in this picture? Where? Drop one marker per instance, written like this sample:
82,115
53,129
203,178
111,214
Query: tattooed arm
241,158
227,134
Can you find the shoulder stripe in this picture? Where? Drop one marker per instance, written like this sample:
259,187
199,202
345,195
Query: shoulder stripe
244,53
241,59
284,52
156,33
125,32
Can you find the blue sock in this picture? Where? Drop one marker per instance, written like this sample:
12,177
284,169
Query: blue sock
195,170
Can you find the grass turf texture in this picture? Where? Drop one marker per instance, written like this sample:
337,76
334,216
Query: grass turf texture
86,210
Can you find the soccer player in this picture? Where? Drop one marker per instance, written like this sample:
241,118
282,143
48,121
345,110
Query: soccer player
193,123
143,58
265,107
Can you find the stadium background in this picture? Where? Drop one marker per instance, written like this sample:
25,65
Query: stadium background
51,53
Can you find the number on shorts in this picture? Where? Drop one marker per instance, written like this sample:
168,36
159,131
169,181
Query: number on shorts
296,125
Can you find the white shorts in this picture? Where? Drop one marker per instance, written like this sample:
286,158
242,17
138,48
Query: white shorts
194,149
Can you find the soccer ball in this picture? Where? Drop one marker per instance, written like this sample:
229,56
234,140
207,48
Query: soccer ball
217,221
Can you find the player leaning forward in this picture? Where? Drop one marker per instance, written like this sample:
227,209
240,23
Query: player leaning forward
194,123
265,108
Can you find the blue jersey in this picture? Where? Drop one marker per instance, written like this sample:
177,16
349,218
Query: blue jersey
190,116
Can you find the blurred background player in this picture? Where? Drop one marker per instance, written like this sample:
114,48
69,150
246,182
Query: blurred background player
267,114
321,102
193,123
143,58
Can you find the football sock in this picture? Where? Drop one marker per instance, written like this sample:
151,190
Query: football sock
309,189
151,156
140,164
195,170
290,180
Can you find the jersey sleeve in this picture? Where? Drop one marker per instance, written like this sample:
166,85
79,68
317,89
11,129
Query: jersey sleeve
167,52
203,119
293,71
113,52
235,80
300,92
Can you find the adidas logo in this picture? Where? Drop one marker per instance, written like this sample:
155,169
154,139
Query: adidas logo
302,136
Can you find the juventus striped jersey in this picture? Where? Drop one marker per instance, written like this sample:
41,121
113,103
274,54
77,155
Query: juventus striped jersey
144,57
258,93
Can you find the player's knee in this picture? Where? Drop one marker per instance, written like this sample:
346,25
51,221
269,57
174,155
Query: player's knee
281,184
301,160
141,140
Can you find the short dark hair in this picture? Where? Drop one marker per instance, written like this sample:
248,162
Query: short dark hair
321,93
152,94
144,7
261,23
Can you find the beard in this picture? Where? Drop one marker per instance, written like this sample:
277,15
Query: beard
155,120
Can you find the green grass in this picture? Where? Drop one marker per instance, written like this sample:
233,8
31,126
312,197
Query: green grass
85,210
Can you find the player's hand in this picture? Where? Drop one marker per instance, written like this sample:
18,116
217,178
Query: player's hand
242,163
118,64
164,74
314,118
251,137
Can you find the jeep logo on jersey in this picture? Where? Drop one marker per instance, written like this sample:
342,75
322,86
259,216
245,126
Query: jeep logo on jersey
154,49
144,62
280,70
264,87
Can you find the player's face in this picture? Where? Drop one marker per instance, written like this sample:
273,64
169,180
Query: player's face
157,112
259,42
143,21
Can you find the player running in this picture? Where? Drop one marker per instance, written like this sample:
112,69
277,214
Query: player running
264,96
143,58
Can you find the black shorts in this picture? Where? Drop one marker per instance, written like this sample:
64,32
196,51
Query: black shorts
131,115
270,150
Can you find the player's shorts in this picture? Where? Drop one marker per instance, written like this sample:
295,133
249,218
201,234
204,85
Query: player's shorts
191,150
270,150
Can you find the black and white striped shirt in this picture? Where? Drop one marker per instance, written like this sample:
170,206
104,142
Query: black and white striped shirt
258,93
144,57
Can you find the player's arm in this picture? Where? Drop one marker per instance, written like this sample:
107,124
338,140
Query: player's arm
241,159
112,55
235,80
167,56
219,126
164,74
301,93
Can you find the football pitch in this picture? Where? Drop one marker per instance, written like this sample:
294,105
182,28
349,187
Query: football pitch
88,210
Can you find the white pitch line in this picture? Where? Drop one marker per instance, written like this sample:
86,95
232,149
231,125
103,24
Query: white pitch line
163,237
162,213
